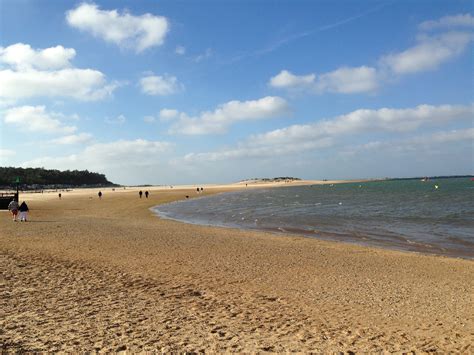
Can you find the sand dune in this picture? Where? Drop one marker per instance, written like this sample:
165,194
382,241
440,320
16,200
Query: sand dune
107,275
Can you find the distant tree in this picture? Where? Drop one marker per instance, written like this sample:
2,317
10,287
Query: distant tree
42,176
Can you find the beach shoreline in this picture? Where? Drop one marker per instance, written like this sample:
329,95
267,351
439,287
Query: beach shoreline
108,275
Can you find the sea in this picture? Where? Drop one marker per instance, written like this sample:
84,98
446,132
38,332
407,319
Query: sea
433,216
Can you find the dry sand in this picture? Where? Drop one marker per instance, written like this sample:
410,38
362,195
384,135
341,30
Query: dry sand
107,275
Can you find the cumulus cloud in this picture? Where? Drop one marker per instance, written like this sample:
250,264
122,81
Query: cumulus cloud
219,120
21,56
415,143
48,72
160,85
323,134
285,79
36,119
104,156
460,20
369,121
123,29
348,80
428,54
345,80
80,138
167,114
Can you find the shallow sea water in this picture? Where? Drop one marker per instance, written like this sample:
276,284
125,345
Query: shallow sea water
401,214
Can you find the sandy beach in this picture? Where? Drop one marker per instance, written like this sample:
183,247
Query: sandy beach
108,275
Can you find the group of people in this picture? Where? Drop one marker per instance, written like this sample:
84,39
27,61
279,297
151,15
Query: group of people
199,189
23,209
140,193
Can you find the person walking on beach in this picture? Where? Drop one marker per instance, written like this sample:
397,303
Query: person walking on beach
23,211
140,193
13,208
59,195
100,195
146,194
197,190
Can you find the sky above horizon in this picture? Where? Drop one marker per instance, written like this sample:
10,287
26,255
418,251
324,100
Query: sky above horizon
188,92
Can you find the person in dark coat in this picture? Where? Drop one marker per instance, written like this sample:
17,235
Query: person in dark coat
100,194
23,211
140,193
146,194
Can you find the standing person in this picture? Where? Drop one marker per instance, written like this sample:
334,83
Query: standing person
146,194
23,211
140,193
59,195
13,208
100,194
197,190
202,189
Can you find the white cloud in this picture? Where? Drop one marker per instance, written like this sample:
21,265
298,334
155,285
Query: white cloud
262,151
180,50
80,138
167,114
428,54
415,143
160,85
36,119
22,57
323,134
81,84
124,30
460,20
107,156
345,80
285,79
219,120
369,121
120,119
48,73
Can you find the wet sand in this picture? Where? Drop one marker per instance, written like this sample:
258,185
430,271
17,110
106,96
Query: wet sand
108,275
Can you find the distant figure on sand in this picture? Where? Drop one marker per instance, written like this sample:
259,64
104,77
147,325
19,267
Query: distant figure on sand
202,189
140,193
197,190
59,195
100,194
13,208
146,194
23,211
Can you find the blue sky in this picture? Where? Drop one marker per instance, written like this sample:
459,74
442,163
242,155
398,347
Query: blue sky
170,92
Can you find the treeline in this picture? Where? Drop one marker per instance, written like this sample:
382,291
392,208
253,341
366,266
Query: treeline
40,177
